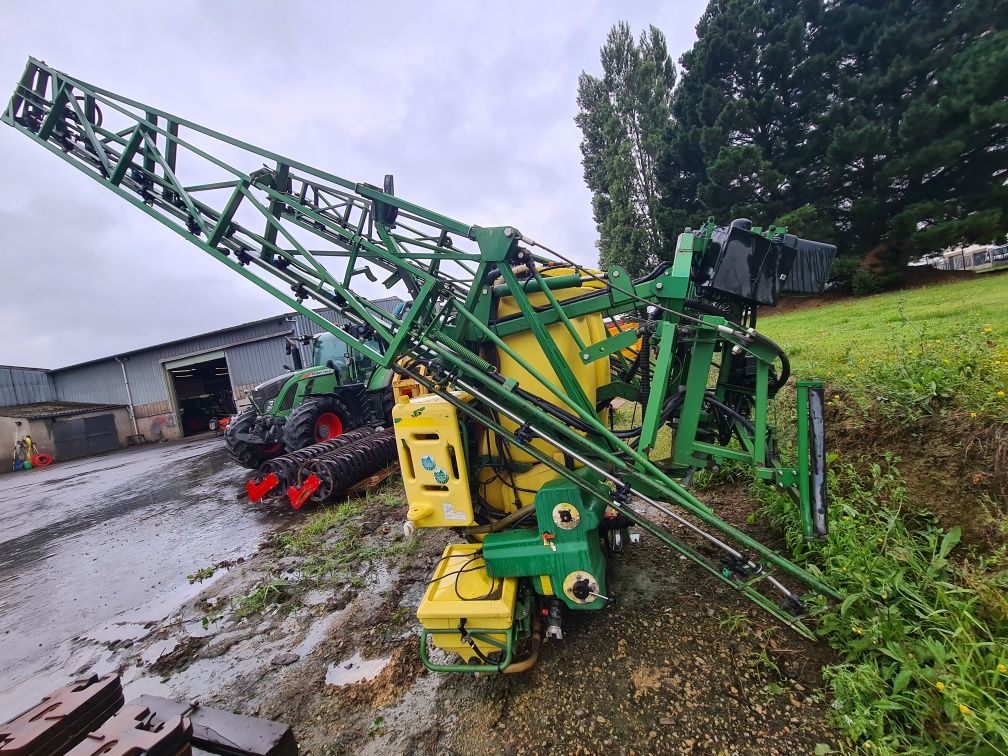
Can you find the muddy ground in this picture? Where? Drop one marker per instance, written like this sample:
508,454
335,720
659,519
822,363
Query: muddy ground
94,550
680,664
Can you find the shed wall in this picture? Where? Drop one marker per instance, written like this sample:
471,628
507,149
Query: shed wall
8,437
255,353
97,383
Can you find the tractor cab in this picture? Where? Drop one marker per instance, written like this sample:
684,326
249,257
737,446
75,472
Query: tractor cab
349,365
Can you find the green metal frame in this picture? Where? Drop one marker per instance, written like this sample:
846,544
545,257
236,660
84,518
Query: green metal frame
480,634
306,236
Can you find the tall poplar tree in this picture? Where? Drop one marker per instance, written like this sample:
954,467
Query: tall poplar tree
625,120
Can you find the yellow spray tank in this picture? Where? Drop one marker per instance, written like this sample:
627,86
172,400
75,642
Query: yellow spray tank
507,491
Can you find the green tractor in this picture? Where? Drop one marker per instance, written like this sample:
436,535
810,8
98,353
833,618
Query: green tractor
342,390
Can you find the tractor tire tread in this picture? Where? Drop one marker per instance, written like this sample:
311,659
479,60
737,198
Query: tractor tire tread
245,454
299,430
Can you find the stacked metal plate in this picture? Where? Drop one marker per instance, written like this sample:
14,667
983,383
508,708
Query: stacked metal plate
135,730
82,720
62,719
220,732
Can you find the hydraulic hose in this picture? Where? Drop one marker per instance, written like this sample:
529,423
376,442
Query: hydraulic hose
504,522
785,362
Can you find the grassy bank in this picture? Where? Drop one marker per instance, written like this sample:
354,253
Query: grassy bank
923,629
826,341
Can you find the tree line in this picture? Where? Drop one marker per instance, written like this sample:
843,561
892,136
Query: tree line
880,126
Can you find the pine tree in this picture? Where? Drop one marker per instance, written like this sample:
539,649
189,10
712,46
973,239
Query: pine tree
625,121
880,124
749,94
918,125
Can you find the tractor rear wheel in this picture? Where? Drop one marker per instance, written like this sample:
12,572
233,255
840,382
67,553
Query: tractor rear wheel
245,454
315,421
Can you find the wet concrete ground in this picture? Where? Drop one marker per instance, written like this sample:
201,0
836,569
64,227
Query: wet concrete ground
678,665
93,551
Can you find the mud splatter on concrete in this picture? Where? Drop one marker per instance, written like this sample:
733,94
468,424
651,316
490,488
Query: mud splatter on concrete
680,664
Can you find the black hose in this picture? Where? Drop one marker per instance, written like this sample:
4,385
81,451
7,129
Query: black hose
645,365
785,372
709,308
710,399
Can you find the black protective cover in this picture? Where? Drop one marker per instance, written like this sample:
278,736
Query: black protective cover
745,266
811,268
748,267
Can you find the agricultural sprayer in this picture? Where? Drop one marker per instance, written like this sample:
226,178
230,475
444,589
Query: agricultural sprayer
512,365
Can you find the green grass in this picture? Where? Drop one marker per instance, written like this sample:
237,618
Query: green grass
922,631
309,536
823,341
328,549
910,353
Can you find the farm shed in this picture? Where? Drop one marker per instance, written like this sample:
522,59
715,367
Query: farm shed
173,389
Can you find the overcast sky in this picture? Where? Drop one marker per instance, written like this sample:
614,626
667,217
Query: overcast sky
470,105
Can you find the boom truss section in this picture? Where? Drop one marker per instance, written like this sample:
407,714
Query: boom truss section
308,237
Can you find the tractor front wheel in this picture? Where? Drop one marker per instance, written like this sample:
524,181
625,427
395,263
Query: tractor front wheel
316,421
245,454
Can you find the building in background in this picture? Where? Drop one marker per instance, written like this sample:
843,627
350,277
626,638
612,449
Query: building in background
157,393
975,257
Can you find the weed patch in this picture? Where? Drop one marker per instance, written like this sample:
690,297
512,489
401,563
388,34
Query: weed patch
204,573
966,371
272,592
922,631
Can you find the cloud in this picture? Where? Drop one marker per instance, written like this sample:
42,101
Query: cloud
471,106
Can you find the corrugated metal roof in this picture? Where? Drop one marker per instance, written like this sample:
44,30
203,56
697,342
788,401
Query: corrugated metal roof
42,410
19,385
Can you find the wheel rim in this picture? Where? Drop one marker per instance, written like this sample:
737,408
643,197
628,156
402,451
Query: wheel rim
328,426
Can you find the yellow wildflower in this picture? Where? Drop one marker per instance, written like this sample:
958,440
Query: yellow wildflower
940,685
857,630
987,329
1000,393
964,709
836,397
1002,669
972,414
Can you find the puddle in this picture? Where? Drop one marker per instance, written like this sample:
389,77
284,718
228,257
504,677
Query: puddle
116,632
318,631
315,597
354,670
145,686
156,650
196,628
